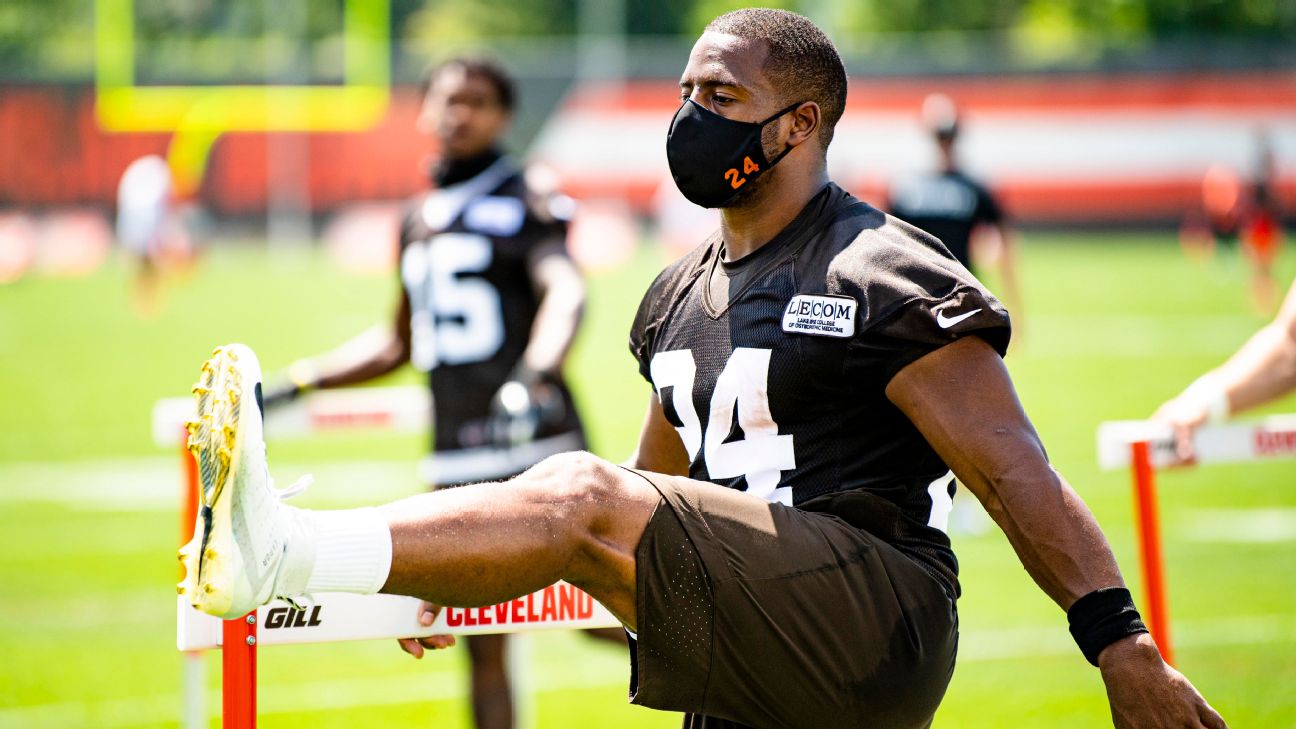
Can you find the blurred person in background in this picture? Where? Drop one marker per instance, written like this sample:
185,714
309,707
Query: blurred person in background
144,200
1263,370
1234,215
489,303
1262,229
956,208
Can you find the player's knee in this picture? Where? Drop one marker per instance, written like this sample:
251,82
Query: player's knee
580,480
583,490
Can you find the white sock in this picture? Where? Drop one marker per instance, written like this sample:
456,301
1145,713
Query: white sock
352,553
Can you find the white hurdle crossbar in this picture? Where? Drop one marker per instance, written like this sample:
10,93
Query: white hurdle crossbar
332,617
1143,446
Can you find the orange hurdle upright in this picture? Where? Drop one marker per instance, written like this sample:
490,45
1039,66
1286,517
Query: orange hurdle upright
238,649
1149,528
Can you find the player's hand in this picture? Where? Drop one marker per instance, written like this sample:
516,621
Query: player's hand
1185,414
415,646
301,376
1145,693
522,407
279,394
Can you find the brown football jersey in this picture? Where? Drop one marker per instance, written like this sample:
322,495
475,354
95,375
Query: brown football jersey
773,368
464,267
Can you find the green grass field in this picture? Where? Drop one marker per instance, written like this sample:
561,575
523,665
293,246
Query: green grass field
1114,325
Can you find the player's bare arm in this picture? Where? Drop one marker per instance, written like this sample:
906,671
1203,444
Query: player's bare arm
370,355
366,359
962,400
1263,370
659,449
561,288
1008,246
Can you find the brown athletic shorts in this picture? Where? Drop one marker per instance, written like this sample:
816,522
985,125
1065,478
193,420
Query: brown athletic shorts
763,615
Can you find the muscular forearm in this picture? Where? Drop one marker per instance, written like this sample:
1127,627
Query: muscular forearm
553,332
562,305
1053,533
1008,270
1264,369
371,355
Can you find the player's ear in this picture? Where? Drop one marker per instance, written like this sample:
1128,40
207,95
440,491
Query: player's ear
805,121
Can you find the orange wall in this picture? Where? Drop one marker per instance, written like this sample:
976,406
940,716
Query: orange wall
52,152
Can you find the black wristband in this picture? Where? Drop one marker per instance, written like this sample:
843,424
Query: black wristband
1103,617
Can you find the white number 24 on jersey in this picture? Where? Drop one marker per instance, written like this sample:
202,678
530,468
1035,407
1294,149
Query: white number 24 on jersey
762,454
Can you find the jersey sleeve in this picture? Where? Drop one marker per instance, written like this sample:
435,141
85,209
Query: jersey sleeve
658,301
915,299
548,219
646,321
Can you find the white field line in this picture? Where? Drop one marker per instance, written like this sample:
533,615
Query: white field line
448,684
153,484
1074,336
1239,526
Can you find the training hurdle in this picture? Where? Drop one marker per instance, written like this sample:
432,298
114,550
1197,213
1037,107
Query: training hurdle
331,617
1143,446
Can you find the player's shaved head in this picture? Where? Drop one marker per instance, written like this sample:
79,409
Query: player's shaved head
801,61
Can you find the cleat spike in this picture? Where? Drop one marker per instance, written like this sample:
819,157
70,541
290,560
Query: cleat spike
233,357
223,454
199,390
207,588
229,431
217,351
209,555
233,396
180,588
191,426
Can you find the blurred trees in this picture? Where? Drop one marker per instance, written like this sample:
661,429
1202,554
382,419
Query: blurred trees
55,38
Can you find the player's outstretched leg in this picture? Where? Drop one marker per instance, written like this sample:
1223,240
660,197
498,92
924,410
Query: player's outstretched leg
572,517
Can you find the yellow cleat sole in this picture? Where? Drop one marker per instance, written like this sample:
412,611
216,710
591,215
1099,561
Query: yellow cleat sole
213,441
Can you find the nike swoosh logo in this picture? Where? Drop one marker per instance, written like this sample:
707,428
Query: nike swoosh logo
946,322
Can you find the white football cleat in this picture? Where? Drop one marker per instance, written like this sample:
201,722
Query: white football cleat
238,558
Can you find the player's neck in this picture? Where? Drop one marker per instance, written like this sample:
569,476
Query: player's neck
745,229
453,170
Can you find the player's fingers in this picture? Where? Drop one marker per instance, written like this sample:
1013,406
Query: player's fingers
1211,718
438,642
410,646
427,613
1183,435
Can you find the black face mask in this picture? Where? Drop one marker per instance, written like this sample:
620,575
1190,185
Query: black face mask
712,158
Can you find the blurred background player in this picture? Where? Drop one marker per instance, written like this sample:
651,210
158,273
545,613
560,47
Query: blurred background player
144,198
1263,370
1232,213
957,209
1262,229
489,305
